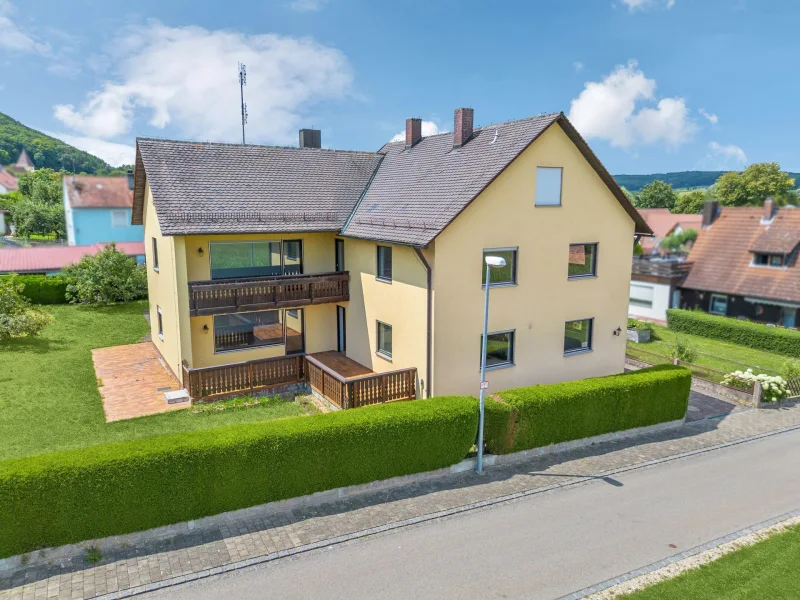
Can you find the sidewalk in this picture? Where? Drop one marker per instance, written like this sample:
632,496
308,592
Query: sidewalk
239,539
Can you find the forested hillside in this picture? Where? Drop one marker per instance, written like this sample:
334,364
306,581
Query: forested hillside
679,180
45,151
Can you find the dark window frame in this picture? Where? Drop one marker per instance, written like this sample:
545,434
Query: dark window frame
338,255
155,254
595,252
590,337
380,270
511,349
282,321
378,350
514,269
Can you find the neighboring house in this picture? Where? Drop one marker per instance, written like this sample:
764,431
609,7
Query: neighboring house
8,183
257,252
655,283
24,163
746,264
50,260
5,222
98,209
664,223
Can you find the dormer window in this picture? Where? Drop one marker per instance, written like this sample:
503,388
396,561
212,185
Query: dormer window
768,260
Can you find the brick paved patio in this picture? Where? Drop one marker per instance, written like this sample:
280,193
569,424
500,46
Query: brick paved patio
223,542
132,381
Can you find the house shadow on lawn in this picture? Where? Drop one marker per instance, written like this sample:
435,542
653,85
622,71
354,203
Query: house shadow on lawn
35,345
259,531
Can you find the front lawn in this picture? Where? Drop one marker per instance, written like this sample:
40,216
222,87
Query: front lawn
48,393
767,569
713,354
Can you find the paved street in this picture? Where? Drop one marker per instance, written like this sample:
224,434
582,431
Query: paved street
547,545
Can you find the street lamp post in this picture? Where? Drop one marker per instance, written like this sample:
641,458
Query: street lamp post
491,262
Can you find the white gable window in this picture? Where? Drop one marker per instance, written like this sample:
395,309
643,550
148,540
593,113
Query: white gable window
548,186
119,218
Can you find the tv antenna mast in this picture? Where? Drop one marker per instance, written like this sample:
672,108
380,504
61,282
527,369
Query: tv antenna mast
242,83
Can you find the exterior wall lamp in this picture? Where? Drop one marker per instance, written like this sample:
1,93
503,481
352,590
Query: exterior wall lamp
618,331
205,328
200,251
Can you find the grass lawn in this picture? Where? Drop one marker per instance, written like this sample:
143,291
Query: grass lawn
48,393
713,354
767,569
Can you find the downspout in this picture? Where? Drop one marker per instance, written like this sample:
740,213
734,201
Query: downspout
429,341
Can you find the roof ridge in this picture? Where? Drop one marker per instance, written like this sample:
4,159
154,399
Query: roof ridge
235,145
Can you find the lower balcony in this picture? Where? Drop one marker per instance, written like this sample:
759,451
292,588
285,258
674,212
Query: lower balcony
219,297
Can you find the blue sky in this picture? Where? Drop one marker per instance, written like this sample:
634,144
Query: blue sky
654,85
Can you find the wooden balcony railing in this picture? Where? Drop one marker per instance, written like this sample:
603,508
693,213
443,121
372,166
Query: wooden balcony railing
224,296
250,376
352,392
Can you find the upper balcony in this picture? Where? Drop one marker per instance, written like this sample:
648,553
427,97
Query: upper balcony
224,296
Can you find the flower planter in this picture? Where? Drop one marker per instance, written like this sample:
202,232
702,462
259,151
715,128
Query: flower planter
639,335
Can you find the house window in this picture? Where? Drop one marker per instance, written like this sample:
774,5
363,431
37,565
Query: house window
502,275
775,260
385,263
768,260
548,186
641,295
582,261
578,336
119,218
160,323
292,257
155,255
339,251
384,340
719,304
499,349
248,330
230,260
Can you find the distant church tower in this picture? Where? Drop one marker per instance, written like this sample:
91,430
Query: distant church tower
24,163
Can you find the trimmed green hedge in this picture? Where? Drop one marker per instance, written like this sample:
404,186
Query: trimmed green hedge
123,487
41,289
541,415
744,333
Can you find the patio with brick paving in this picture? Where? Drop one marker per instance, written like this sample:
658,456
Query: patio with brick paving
133,380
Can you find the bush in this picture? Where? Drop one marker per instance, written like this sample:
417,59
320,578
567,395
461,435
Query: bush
640,325
774,388
683,350
129,486
41,289
743,333
549,414
107,277
791,369
17,318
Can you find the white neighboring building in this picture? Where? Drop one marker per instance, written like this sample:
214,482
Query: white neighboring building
654,287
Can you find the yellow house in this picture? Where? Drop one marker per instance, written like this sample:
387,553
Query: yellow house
362,273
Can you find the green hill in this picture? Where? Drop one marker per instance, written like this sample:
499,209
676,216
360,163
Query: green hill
44,150
679,180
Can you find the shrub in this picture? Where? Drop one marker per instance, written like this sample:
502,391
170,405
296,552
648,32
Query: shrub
107,277
17,318
40,289
744,333
640,325
549,414
774,388
683,350
123,487
791,369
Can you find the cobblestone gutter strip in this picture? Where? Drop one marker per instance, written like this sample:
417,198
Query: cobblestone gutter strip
691,559
458,510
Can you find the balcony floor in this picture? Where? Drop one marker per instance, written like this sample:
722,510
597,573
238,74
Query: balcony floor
346,367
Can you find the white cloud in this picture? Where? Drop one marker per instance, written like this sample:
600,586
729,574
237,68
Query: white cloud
712,118
14,37
307,5
611,110
727,154
186,77
634,5
111,152
428,128
578,66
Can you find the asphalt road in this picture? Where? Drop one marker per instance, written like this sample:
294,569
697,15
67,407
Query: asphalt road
544,546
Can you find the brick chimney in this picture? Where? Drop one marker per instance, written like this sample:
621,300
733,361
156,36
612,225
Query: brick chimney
310,138
462,126
710,210
769,209
413,132
129,175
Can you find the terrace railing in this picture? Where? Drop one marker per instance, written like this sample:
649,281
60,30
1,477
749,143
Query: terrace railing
250,376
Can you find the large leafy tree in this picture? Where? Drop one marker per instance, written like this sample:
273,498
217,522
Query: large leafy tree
32,217
107,277
753,185
657,195
691,203
42,185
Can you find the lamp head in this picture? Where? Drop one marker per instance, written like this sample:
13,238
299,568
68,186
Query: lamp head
495,261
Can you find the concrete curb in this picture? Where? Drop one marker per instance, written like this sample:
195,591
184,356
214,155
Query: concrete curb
657,566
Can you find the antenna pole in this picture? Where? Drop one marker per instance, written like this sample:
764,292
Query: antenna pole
242,83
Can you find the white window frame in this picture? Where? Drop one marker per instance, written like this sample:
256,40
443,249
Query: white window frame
115,217
155,255
160,318
540,171
711,305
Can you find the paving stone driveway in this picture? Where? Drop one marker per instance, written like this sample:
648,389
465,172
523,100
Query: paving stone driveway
125,570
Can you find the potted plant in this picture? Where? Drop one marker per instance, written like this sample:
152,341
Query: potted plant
639,331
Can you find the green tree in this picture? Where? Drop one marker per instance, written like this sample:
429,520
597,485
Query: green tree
10,199
107,277
677,241
17,318
4,157
629,195
657,195
42,185
753,185
31,217
691,203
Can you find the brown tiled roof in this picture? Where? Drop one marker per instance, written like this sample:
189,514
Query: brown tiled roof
722,256
8,181
231,188
780,237
98,192
663,222
416,193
